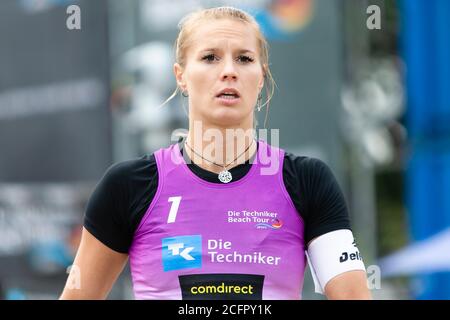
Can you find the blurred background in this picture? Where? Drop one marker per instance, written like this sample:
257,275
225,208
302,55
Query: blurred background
363,85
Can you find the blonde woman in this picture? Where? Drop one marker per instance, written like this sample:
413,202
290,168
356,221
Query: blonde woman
202,220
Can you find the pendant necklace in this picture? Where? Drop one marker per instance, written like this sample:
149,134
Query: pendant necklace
224,175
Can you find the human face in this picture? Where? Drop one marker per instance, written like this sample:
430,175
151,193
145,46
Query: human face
222,57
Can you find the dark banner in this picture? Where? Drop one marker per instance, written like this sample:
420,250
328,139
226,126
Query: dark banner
54,91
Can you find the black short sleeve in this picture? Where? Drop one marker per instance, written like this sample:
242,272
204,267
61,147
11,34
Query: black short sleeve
120,200
123,195
316,194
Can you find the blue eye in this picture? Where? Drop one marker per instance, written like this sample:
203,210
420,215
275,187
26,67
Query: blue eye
209,57
245,59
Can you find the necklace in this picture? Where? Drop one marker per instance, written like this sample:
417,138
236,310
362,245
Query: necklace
224,175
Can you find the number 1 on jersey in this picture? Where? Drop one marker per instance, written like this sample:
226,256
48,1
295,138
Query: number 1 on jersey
174,208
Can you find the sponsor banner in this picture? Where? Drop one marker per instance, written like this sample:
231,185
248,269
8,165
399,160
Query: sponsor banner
221,286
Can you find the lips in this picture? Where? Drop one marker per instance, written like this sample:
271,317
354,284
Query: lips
228,97
228,93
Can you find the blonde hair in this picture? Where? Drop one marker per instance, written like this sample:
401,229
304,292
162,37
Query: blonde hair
188,24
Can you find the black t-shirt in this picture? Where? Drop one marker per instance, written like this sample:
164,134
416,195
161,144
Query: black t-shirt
126,190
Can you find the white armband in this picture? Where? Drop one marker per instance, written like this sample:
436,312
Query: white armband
332,254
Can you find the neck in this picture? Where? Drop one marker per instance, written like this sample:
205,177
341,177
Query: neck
223,146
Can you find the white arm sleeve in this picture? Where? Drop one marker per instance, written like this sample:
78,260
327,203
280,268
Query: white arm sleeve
332,254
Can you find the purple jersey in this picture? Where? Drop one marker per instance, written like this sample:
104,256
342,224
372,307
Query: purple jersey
203,240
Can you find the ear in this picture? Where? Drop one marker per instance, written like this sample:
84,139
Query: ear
261,82
179,76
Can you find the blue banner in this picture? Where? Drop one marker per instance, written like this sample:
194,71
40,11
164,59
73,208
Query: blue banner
425,38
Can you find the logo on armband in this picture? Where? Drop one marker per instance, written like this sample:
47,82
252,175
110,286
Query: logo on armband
352,256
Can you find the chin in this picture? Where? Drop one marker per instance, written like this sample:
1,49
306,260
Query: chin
227,116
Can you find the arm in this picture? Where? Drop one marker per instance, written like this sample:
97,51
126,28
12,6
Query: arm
335,261
94,271
113,212
351,285
337,266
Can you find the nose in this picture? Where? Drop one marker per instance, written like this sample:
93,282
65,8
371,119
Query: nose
229,71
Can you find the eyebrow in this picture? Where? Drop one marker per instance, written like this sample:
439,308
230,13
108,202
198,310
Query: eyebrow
217,49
